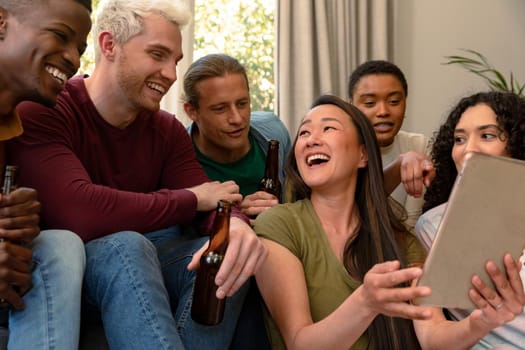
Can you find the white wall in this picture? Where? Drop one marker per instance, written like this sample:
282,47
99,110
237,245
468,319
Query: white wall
428,30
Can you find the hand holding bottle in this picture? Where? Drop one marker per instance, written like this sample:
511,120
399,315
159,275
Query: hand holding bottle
206,307
244,256
19,215
19,219
18,226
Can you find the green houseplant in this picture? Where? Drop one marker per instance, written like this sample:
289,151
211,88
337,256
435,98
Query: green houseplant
478,64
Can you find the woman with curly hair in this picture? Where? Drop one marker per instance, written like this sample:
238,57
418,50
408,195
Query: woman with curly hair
491,123
509,110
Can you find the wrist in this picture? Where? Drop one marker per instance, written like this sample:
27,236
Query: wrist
363,307
478,328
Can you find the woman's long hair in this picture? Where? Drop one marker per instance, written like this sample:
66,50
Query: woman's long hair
379,235
510,116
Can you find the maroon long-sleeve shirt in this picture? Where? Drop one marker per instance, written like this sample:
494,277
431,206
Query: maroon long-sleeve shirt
96,179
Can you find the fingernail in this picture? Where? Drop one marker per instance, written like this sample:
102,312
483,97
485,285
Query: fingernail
220,294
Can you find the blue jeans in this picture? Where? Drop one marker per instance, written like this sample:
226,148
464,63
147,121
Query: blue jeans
51,318
144,297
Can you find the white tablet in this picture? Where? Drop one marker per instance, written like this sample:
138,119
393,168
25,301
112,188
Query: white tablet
484,219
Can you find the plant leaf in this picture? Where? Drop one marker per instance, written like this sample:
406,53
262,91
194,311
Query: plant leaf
479,65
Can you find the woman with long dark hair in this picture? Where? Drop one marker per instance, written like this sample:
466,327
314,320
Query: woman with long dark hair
340,267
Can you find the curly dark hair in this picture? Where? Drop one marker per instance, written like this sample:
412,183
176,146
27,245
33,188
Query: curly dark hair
510,116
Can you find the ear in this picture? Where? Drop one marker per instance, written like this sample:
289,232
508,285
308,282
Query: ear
107,44
3,22
363,157
191,111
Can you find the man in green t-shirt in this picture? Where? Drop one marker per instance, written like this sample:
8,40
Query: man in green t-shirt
231,144
230,141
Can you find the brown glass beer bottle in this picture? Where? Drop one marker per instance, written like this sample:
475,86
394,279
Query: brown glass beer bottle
206,308
270,182
9,183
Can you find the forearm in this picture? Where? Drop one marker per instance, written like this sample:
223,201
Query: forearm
392,175
340,330
95,182
289,306
72,201
103,212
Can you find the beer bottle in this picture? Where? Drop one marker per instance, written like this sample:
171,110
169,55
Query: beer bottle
9,183
270,182
207,309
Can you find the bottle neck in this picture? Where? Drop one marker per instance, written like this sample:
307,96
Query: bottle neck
270,182
219,236
9,183
271,169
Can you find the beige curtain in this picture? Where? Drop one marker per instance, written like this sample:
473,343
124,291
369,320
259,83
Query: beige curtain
320,42
172,101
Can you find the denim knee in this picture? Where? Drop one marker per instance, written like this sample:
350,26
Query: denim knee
111,246
112,255
124,284
61,250
52,315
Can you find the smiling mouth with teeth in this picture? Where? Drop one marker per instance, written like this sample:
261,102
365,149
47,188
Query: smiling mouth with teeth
317,159
58,75
157,88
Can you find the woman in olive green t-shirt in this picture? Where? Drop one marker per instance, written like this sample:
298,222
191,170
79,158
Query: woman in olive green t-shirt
340,266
